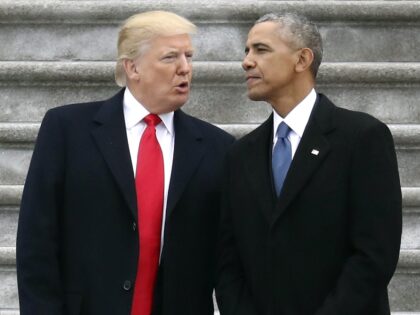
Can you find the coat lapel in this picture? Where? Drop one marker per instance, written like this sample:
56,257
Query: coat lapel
188,152
312,150
258,166
111,138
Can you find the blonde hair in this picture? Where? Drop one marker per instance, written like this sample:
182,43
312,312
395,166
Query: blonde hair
139,29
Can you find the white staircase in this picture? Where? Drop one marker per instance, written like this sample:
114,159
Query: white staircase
58,52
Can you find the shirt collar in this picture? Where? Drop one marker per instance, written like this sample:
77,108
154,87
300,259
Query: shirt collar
298,118
134,112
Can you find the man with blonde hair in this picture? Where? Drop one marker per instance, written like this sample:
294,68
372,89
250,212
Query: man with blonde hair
121,203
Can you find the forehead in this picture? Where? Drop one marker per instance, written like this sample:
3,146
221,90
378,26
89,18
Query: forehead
181,41
265,32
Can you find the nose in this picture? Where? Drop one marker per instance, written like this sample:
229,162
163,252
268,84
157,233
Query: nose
248,63
184,65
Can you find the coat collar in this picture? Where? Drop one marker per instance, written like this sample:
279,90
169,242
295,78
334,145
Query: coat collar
304,164
312,150
111,137
188,153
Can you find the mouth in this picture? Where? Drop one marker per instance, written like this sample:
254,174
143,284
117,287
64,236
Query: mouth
183,87
251,79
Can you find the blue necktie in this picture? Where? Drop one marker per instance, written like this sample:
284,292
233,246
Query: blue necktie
282,156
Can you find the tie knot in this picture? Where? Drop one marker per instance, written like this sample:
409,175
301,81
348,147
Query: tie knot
152,120
283,130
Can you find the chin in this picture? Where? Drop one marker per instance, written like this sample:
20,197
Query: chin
255,96
176,105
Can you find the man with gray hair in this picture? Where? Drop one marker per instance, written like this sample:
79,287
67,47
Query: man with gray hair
311,213
120,208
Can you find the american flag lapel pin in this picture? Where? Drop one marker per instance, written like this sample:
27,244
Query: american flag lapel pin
315,152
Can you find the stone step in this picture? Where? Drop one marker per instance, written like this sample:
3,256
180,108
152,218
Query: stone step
389,91
403,288
16,151
87,30
217,312
16,312
57,52
10,196
22,133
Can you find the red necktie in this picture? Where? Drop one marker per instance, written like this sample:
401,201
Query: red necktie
149,189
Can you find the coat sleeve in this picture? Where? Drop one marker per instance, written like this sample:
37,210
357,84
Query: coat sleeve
375,224
232,293
38,237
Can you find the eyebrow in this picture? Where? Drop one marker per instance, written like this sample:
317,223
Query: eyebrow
177,51
257,45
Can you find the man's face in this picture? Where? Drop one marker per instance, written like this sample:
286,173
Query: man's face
269,64
164,73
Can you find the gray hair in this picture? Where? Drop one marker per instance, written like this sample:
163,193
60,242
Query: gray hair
298,32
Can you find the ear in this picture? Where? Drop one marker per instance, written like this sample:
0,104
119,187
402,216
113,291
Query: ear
305,59
131,69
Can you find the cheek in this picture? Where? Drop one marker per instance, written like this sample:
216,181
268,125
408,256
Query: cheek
159,73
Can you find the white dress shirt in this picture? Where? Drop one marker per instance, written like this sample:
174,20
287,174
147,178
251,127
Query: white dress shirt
297,120
134,112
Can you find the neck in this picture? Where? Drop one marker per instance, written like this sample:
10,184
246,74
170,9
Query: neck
286,102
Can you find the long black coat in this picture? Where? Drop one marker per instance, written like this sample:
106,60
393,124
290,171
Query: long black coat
329,244
77,244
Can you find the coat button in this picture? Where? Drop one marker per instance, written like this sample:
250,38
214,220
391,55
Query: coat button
127,285
134,226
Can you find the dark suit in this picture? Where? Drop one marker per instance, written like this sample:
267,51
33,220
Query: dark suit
77,245
329,244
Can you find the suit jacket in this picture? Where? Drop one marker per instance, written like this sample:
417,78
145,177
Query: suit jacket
77,242
329,244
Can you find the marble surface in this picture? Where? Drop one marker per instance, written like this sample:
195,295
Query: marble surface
61,52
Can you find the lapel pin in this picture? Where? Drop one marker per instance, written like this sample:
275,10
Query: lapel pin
315,152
